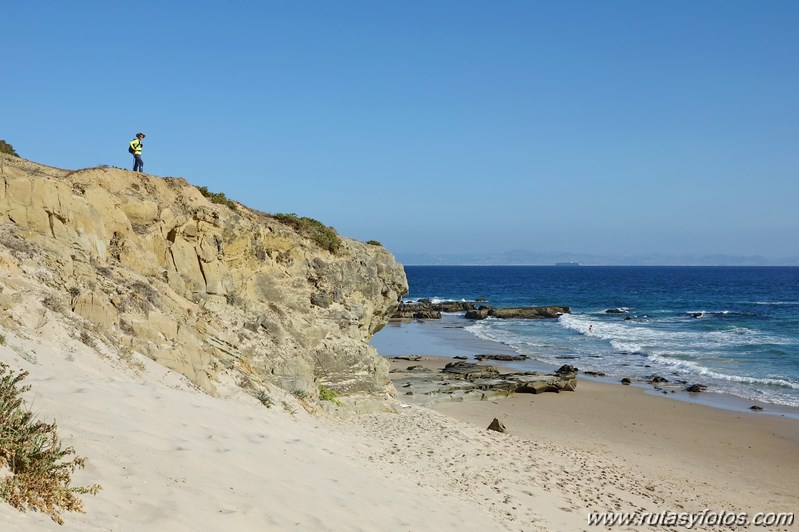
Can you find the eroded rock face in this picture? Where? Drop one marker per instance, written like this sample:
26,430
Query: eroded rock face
197,286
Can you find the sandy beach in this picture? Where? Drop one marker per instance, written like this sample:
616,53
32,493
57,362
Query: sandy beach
629,449
170,457
687,456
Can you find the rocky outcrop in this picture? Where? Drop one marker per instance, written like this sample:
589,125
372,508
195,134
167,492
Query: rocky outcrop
503,358
203,288
470,371
497,425
466,380
426,309
519,313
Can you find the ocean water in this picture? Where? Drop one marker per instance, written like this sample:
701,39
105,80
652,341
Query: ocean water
733,329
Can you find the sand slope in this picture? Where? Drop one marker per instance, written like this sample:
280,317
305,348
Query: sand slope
172,458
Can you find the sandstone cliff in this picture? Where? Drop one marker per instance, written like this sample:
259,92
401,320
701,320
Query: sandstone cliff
149,265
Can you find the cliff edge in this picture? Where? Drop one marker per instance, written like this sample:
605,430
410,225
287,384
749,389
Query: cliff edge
150,266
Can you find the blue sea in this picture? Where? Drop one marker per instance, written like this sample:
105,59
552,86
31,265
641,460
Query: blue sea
734,329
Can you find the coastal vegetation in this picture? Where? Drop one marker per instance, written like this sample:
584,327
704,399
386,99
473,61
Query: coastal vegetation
299,394
265,399
217,197
37,469
374,243
326,394
325,237
5,147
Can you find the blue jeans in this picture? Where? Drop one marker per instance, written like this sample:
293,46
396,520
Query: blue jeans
138,164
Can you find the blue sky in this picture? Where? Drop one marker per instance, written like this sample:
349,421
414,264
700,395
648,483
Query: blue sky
614,127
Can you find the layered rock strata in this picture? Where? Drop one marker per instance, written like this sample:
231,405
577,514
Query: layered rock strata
154,267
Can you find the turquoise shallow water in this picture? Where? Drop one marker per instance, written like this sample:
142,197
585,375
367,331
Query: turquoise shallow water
735,330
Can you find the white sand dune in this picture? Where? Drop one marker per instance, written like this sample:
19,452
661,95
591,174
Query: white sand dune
169,457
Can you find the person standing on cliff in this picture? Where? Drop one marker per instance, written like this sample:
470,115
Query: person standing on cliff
136,146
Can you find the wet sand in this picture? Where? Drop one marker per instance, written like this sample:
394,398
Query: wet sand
686,455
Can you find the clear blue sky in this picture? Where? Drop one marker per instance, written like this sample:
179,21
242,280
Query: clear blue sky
611,127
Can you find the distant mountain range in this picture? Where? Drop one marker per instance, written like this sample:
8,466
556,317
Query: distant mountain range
522,257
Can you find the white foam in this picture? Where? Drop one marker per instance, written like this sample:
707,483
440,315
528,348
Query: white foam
435,299
661,343
696,369
639,333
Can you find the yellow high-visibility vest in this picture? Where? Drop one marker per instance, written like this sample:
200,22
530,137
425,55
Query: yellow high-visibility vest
136,145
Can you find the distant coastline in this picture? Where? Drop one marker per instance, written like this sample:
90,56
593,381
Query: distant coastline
592,265
532,258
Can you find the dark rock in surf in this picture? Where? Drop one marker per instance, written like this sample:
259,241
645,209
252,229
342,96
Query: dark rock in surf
426,309
503,358
567,370
594,373
529,313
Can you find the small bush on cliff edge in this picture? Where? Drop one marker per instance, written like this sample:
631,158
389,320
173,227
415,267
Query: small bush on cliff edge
217,197
38,473
324,236
5,147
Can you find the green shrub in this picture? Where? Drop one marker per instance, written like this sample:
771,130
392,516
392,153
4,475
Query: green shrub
5,147
374,243
325,237
299,394
265,398
217,197
326,394
39,470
